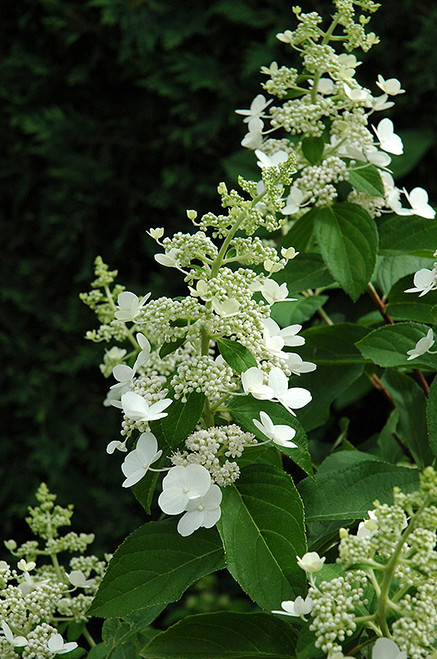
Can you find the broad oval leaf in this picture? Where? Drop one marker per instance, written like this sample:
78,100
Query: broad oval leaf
155,565
388,345
348,482
417,235
348,240
221,635
368,180
304,308
301,235
333,344
304,272
312,149
181,419
237,356
262,529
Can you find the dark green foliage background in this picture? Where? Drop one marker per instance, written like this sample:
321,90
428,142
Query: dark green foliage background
116,116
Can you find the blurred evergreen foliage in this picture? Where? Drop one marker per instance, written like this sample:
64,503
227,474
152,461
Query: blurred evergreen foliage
117,115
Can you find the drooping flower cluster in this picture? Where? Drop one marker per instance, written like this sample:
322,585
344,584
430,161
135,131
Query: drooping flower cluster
217,342
387,579
330,113
34,597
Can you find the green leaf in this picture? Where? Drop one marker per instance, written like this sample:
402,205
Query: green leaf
305,271
300,235
246,408
339,378
221,635
312,149
408,306
348,482
123,640
410,402
388,345
262,528
99,651
155,565
368,180
431,417
333,344
393,268
181,420
237,356
289,313
348,240
417,235
168,348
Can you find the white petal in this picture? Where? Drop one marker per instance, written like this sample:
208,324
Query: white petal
123,373
190,522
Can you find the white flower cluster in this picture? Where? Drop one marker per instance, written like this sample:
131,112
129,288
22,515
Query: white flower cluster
329,104
212,448
388,583
33,598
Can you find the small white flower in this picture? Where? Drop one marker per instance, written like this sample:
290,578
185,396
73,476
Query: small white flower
418,200
257,107
291,399
285,37
138,461
168,259
422,346
357,94
156,234
182,484
116,444
297,365
16,641
273,292
288,253
388,139
380,103
77,578
201,511
424,281
144,354
270,161
229,307
368,527
392,86
137,408
57,646
279,434
325,86
294,201
297,608
26,566
377,157
385,648
129,306
253,383
311,562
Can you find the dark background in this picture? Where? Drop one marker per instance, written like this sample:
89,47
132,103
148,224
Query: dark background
116,116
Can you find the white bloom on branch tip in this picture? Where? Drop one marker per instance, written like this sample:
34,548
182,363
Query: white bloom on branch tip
168,259
137,408
418,200
138,461
116,444
181,485
257,107
297,366
297,608
253,383
57,646
77,579
15,641
227,308
392,86
291,399
201,511
270,161
311,562
422,346
388,139
424,281
129,306
272,292
385,648
279,434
